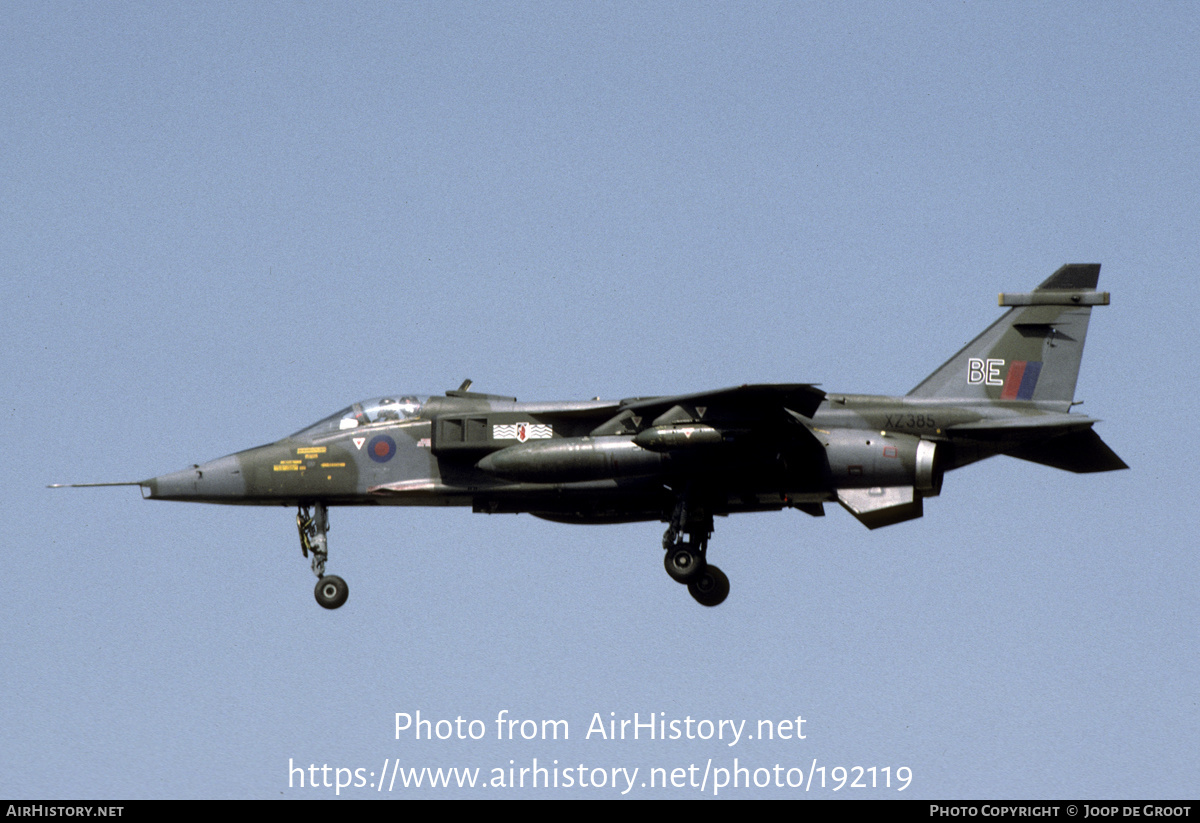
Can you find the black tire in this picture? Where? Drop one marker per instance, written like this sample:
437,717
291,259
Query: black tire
683,563
710,588
331,591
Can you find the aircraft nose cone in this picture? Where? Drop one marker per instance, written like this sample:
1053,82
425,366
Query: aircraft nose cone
216,481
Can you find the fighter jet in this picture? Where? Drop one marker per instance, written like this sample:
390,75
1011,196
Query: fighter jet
683,460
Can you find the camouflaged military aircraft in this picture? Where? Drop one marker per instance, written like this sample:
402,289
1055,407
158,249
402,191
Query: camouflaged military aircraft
684,459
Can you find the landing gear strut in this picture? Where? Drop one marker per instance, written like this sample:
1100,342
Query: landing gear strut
686,560
331,591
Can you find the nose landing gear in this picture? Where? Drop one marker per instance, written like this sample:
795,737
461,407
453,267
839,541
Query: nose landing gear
331,591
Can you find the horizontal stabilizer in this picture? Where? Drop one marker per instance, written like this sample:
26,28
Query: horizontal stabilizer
1079,451
1022,428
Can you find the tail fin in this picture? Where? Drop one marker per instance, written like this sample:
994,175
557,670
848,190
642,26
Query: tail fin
1033,351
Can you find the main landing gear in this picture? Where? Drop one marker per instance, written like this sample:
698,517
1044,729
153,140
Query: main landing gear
686,559
331,591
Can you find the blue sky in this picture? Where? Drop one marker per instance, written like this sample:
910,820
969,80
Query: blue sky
221,223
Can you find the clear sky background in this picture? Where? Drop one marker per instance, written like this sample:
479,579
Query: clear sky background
222,222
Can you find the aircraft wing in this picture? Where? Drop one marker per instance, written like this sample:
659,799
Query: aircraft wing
738,404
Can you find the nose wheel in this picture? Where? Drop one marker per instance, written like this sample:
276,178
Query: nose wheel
331,591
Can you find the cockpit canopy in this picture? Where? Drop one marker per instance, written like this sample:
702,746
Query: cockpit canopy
391,409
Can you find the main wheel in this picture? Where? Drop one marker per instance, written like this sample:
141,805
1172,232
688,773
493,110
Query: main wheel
710,587
331,591
683,563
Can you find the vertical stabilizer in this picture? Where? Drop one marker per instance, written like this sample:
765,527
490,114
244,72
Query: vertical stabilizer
1033,351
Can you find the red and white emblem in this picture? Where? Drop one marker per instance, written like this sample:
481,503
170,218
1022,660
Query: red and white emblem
522,431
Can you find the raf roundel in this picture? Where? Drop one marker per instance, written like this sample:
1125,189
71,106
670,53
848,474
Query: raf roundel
381,448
